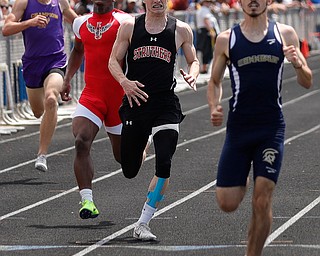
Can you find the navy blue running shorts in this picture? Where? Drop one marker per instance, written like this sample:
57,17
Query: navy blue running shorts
259,146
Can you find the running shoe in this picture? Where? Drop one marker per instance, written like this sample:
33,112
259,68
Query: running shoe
88,210
41,163
143,232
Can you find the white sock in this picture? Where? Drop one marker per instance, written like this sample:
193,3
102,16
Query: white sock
146,214
86,194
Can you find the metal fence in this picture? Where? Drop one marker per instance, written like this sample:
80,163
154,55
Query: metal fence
14,108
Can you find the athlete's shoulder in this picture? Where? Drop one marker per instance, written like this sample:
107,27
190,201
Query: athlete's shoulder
83,18
120,15
77,23
225,35
64,4
288,34
222,42
182,27
284,28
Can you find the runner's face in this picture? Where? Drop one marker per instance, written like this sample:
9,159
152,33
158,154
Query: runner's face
254,8
102,6
156,6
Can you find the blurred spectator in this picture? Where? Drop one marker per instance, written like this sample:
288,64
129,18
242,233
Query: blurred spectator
178,5
311,5
132,6
234,4
207,31
118,4
299,4
277,6
221,6
5,9
82,7
281,6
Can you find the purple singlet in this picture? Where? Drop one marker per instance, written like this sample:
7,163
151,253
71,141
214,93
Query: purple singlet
44,47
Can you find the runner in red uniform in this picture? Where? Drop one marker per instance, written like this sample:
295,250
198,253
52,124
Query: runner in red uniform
101,97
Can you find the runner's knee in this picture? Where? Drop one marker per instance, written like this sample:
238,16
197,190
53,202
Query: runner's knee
50,102
165,142
131,171
82,145
229,199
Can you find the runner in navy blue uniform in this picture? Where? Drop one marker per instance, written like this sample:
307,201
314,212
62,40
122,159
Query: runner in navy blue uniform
148,45
254,52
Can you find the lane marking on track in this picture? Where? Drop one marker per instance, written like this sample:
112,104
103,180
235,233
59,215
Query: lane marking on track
126,229
97,179
100,243
164,248
269,240
31,134
291,221
287,80
187,112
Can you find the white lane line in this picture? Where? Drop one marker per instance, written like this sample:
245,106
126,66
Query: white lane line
291,221
302,134
49,155
98,179
165,248
187,112
54,197
30,134
126,229
70,148
119,171
295,100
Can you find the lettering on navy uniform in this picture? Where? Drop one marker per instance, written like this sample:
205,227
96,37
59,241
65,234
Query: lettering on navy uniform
98,30
258,58
153,39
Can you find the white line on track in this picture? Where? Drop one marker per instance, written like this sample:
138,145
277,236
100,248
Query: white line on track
295,100
171,248
271,237
98,179
30,134
291,221
126,229
187,112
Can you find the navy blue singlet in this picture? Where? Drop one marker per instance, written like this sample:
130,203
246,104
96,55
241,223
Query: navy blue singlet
256,76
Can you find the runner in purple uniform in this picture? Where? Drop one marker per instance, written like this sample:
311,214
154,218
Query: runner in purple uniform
44,59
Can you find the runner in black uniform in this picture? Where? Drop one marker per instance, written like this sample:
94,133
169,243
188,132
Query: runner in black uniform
152,65
254,52
148,45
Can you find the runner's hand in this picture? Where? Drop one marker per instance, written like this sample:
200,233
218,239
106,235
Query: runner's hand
39,21
292,56
133,92
191,80
217,116
66,88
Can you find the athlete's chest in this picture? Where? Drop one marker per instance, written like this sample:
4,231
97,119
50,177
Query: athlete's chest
96,32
